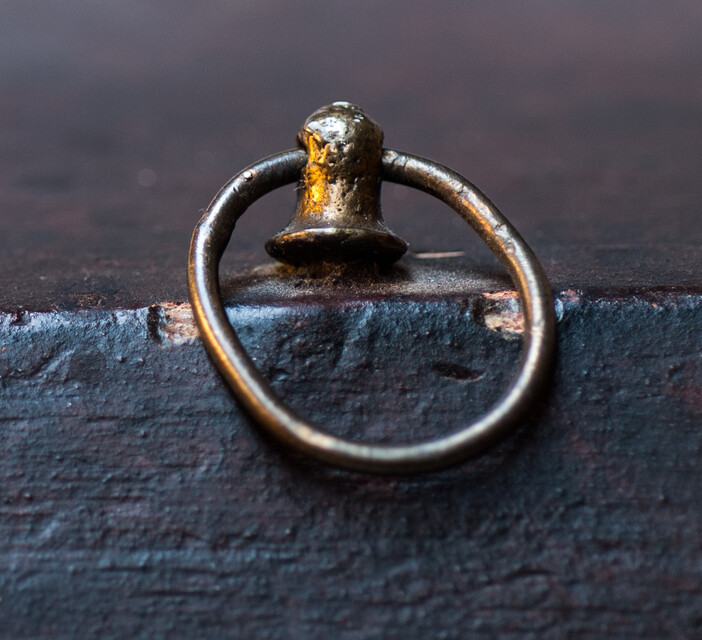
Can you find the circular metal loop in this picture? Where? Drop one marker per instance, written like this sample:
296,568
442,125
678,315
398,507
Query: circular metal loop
211,237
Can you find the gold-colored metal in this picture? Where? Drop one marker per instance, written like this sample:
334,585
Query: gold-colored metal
338,216
211,237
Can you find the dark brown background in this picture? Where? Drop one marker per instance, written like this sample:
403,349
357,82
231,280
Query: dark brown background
137,499
582,120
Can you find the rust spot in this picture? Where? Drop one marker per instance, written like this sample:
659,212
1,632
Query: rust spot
570,295
501,295
502,313
171,323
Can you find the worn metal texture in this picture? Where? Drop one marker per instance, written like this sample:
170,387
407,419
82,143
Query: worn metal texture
340,190
139,501
338,215
136,498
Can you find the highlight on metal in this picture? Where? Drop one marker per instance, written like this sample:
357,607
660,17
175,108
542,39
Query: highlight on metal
340,166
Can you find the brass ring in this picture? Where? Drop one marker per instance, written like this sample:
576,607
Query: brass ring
211,237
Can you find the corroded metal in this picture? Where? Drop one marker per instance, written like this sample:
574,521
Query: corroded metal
210,239
338,217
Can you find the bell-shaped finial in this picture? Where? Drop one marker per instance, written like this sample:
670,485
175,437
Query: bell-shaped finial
338,216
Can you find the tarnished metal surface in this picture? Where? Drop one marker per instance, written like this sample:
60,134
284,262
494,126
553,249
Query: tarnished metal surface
338,216
136,498
328,176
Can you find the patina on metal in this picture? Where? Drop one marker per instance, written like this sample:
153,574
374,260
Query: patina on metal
338,217
324,224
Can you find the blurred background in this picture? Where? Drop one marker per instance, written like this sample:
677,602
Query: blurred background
119,121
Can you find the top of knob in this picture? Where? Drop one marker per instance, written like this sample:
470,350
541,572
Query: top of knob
338,216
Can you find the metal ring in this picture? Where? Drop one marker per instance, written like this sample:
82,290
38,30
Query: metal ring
211,237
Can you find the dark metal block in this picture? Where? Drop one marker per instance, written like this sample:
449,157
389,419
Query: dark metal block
137,492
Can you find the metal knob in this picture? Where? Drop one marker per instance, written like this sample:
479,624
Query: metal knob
338,217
